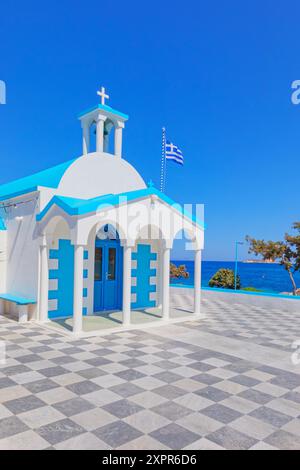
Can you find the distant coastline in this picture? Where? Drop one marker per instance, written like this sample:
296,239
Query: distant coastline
253,261
266,277
260,261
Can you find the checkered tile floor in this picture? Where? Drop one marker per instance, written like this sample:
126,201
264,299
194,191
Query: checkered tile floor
208,384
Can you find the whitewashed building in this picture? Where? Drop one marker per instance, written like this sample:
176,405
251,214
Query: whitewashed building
89,235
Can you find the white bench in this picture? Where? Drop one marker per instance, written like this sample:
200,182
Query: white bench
21,303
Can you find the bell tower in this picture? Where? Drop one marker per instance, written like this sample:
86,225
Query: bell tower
106,120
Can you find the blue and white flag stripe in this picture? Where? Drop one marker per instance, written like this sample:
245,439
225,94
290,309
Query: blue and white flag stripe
173,153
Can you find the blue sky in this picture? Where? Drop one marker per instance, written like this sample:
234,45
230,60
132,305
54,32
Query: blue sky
216,74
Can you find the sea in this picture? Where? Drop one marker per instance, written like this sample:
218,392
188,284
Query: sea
271,278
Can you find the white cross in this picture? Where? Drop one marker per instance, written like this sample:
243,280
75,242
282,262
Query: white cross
103,95
172,147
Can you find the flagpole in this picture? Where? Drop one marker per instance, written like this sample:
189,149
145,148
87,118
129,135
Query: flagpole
163,161
165,175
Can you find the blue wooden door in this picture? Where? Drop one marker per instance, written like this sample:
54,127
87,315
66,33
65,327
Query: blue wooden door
108,275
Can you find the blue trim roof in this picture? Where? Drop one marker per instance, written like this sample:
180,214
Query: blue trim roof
105,108
2,225
17,299
49,178
77,207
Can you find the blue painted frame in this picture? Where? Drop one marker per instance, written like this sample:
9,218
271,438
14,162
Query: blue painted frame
108,296
65,280
143,273
2,224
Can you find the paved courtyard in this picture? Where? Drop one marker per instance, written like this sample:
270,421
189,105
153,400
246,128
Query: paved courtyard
226,382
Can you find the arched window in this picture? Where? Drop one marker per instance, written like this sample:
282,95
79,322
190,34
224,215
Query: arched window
107,232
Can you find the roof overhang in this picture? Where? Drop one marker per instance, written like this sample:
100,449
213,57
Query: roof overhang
2,225
49,178
82,207
110,112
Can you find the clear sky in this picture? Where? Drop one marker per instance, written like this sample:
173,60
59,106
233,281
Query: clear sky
216,74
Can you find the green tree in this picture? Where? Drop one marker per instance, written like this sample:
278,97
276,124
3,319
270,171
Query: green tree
224,278
286,252
178,271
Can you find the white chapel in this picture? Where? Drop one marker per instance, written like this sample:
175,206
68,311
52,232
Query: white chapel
89,235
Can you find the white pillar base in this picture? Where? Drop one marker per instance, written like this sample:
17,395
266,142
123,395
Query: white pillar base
78,289
127,251
166,284
22,313
42,306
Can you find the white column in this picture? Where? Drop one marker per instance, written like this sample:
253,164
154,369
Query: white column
85,138
78,289
106,143
160,276
100,133
197,283
108,127
127,252
118,139
44,281
166,283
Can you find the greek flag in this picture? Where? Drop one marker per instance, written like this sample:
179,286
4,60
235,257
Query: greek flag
173,153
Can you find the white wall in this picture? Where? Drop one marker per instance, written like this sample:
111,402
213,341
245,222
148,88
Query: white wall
22,249
3,256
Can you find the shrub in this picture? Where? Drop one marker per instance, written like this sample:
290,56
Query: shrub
224,278
178,271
